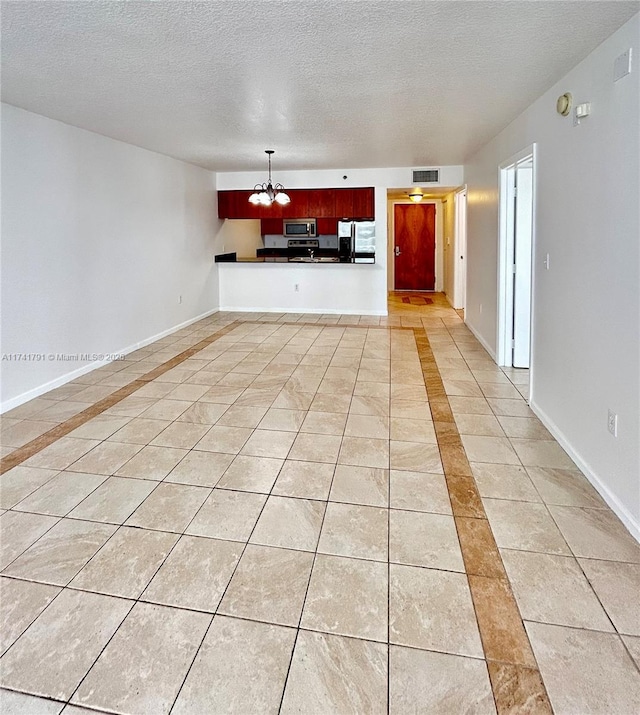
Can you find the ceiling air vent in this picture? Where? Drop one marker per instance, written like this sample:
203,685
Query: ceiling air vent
426,176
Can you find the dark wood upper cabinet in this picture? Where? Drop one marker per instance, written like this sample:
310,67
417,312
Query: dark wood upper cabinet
305,203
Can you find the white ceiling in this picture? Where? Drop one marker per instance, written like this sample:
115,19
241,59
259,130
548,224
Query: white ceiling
326,83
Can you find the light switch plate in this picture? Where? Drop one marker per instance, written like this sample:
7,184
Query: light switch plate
622,65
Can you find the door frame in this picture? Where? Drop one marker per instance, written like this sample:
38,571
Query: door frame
438,256
460,248
506,254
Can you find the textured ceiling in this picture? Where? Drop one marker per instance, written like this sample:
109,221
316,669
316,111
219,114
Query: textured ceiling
327,84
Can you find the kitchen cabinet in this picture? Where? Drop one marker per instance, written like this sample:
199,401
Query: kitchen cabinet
330,204
271,227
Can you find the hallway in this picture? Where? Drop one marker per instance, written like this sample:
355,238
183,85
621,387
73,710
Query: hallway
308,513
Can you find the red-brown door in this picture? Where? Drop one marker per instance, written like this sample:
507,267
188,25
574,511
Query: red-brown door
415,244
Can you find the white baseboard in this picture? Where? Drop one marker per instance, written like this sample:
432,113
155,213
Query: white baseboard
482,341
311,311
69,376
610,498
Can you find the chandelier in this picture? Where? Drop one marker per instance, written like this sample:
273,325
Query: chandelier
266,194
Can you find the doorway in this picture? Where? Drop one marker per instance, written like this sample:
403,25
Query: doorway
414,246
517,186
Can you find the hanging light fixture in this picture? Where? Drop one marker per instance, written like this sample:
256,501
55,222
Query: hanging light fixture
266,194
416,195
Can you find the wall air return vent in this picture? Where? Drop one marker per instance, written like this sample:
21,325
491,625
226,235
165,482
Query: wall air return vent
426,176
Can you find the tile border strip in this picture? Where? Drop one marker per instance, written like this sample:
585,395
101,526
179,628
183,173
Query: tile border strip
513,671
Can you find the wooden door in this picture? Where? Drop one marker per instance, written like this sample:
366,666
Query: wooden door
415,246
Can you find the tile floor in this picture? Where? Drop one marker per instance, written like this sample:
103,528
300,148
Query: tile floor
308,514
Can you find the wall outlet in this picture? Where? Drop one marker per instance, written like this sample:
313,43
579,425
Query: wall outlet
480,309
179,299
612,423
547,262
296,287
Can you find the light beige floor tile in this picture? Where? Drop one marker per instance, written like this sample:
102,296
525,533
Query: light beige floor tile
195,575
524,526
59,495
410,409
348,597
237,416
240,668
289,399
618,588
524,427
58,555
553,589
106,458
289,523
486,425
21,602
584,671
57,650
316,448
257,398
437,683
169,508
496,450
203,413
504,481
228,515
283,420
167,409
324,423
419,491
23,431
100,427
372,406
269,443
126,563
268,585
143,666
251,474
596,534
337,675
18,483
181,435
373,426
19,531
469,406
13,703
355,531
462,388
406,430
417,393
190,391
152,463
565,487
114,500
500,391
200,469
633,647
364,452
222,394
541,453
331,403
309,480
224,439
509,407
420,539
63,410
139,430
61,453
415,457
445,620
360,485
365,388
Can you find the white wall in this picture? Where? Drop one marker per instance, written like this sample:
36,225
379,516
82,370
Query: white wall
347,289
586,312
99,239
448,244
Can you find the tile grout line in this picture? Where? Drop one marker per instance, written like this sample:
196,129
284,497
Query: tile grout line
513,671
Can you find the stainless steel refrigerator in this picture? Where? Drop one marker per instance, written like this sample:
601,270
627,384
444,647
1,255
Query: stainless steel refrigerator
356,237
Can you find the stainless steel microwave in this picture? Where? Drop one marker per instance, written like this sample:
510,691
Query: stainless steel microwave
299,227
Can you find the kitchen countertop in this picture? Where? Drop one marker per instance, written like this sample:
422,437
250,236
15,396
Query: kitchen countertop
231,258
